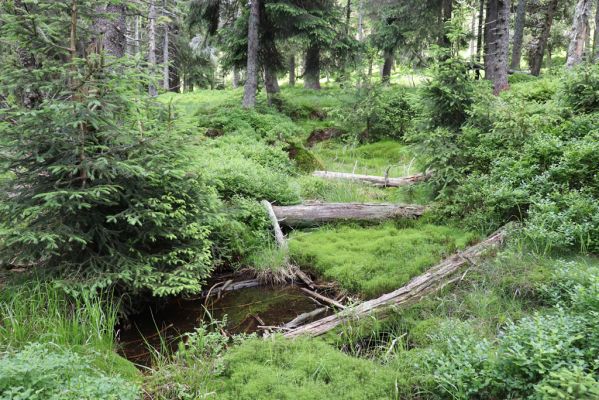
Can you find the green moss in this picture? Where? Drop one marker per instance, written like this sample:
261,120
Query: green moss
300,369
375,260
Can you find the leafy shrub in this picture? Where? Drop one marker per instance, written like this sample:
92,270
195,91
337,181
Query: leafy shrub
382,113
580,88
539,90
449,95
568,384
46,373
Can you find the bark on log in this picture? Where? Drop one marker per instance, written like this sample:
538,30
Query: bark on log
300,319
433,280
375,180
319,213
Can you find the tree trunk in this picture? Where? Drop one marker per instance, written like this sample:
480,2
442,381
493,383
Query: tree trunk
497,44
111,27
165,60
518,35
347,16
361,21
136,35
480,36
539,44
312,67
235,81
312,214
446,11
251,82
500,81
381,181
152,45
579,33
292,70
595,54
387,66
271,83
431,281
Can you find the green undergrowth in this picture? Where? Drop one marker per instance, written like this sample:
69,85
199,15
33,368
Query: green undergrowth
344,191
369,159
374,260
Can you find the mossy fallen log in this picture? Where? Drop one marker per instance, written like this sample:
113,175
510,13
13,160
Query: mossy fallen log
381,181
431,281
311,214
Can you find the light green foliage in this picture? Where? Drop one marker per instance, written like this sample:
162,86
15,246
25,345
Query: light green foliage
568,384
369,159
523,156
46,372
380,113
375,260
300,369
580,89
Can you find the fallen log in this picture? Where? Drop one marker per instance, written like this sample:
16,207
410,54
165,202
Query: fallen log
381,181
300,319
230,286
431,281
318,213
322,298
279,237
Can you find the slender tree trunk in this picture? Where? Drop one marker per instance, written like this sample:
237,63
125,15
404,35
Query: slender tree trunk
473,34
480,36
538,45
152,45
361,21
596,36
518,35
270,81
490,39
497,38
347,16
136,35
251,82
579,32
446,11
165,60
292,70
111,26
387,66
235,82
500,83
312,67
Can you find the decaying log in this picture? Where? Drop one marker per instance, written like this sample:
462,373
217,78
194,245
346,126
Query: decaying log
374,180
322,298
318,213
230,286
300,319
433,280
279,237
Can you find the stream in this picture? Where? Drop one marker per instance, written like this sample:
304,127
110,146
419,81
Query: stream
244,310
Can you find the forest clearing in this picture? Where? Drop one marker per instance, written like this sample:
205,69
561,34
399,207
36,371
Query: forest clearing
281,199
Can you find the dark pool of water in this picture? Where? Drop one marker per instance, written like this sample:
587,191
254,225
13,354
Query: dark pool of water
243,310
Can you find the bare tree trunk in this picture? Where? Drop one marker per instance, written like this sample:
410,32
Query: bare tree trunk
347,16
579,33
251,82
518,35
292,70
111,27
271,83
387,66
538,44
595,54
446,11
500,81
361,21
473,34
235,82
312,67
490,39
480,36
152,44
165,60
136,35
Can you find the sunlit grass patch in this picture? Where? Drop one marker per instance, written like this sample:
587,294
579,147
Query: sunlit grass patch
374,260
369,159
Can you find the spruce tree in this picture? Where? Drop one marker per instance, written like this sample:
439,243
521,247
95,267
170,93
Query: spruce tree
94,196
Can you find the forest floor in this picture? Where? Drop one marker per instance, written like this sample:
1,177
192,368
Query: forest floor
400,356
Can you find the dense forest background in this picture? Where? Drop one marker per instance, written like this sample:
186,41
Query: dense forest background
149,149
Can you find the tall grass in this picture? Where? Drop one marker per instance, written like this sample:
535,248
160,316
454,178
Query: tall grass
40,312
